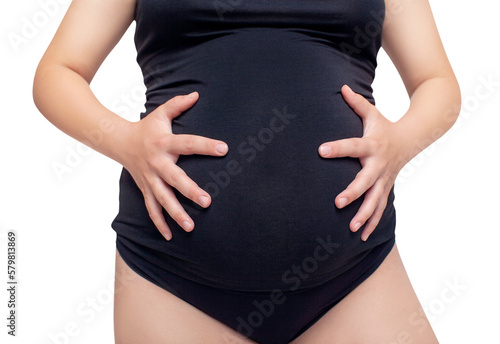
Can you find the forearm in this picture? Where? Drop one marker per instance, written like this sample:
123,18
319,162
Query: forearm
434,108
64,97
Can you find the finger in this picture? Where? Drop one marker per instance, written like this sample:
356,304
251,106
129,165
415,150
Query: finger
354,147
371,201
178,179
357,102
156,214
362,183
185,144
178,104
166,197
374,220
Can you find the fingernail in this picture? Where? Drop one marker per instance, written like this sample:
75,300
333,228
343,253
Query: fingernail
191,95
356,226
167,236
203,200
221,148
186,225
342,202
324,150
364,237
349,89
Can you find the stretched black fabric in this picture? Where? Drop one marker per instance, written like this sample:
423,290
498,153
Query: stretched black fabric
269,75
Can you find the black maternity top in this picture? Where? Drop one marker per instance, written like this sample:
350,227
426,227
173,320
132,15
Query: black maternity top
269,75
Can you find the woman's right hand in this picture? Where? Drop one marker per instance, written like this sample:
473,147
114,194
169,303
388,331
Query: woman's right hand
150,155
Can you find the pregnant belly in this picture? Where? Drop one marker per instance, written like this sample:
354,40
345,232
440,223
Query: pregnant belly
272,209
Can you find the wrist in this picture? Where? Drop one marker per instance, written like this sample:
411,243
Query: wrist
407,142
120,141
109,136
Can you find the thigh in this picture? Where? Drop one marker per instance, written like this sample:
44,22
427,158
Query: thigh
384,309
146,313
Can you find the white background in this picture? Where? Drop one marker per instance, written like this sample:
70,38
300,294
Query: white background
446,199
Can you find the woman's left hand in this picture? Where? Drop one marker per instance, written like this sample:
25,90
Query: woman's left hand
380,153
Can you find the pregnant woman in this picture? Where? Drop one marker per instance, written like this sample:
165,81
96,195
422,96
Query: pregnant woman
256,198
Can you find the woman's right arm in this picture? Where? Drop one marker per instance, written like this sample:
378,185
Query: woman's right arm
147,148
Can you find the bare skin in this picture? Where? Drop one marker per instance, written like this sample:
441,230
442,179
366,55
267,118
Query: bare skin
384,308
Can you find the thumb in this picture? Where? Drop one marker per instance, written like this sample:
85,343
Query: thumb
357,102
178,104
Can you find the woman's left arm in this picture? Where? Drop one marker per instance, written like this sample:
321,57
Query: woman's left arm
412,41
